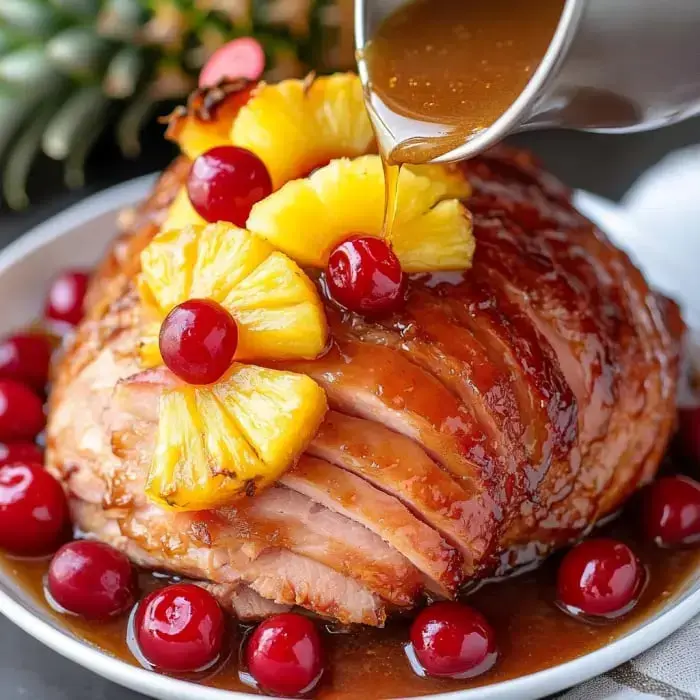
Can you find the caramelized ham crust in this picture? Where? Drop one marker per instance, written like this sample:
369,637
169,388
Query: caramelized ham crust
499,415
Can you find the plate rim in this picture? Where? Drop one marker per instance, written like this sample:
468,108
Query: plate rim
91,657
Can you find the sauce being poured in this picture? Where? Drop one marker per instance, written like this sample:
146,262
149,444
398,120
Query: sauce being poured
441,71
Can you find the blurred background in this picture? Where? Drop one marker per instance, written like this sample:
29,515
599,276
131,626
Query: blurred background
82,84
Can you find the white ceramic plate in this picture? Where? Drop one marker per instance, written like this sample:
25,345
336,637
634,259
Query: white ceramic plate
79,237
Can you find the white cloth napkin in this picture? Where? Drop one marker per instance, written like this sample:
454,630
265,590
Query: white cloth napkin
664,208
671,669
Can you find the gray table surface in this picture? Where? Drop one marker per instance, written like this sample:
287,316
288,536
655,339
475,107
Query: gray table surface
606,165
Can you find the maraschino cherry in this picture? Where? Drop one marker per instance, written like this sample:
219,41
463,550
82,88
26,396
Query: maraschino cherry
198,340
65,299
452,640
671,508
21,412
25,357
601,578
33,510
180,628
364,275
91,579
225,182
285,656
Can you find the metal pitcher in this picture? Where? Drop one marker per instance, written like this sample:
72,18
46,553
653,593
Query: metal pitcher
612,66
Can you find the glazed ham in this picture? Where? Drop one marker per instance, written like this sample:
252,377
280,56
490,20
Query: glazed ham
498,416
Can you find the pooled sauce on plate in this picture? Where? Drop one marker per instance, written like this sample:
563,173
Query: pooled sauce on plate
532,633
440,71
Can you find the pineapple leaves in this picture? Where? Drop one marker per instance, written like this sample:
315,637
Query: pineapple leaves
79,53
138,54
29,18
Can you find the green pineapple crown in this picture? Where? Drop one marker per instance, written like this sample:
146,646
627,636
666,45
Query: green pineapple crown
70,68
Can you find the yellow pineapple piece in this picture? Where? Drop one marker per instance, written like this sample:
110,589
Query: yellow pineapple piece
296,125
181,213
307,218
456,184
207,119
276,307
217,443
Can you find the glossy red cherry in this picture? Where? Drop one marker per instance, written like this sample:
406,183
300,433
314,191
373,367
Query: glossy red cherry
198,340
180,628
25,357
225,182
364,275
21,412
452,640
20,452
65,299
599,577
91,579
33,510
671,508
285,656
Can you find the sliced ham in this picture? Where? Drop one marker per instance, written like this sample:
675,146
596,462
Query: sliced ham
382,514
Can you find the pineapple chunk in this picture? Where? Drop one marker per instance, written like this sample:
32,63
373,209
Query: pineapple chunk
456,184
217,443
307,218
207,119
296,126
276,307
181,213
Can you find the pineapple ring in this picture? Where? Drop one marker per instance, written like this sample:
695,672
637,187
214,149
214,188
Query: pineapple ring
217,443
276,307
298,125
307,218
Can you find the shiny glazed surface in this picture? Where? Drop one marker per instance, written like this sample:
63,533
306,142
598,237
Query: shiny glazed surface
498,415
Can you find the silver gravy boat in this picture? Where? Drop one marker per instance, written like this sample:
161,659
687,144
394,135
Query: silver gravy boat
612,66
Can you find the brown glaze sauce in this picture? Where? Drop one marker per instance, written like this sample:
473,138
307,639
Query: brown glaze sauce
441,71
532,633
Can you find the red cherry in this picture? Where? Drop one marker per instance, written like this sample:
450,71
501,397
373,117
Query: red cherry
225,182
198,340
180,628
65,300
452,640
20,452
672,511
600,577
33,510
21,412
285,656
240,58
91,579
25,357
364,275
